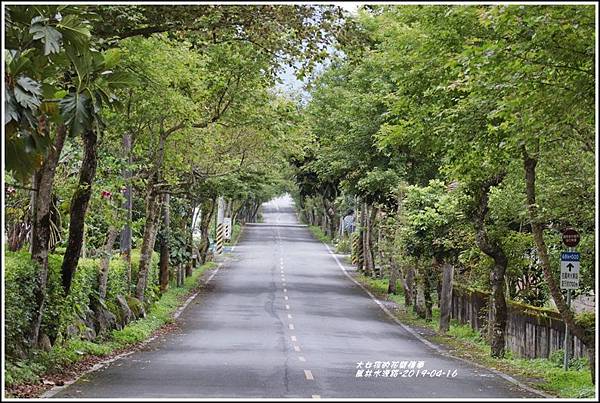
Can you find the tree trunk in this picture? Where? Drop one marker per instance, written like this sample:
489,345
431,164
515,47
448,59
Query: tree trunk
586,337
33,203
105,262
369,267
427,271
40,231
208,209
420,307
126,243
498,310
150,229
330,213
164,247
79,204
446,296
409,286
394,275
362,235
153,206
17,235
190,242
254,217
372,244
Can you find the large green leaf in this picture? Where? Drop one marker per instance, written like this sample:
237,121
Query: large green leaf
28,92
21,162
75,111
50,37
11,109
75,30
82,62
121,79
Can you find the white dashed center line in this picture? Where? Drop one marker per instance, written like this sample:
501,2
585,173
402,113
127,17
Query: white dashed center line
297,348
286,297
308,374
291,326
287,307
294,338
302,359
289,316
316,396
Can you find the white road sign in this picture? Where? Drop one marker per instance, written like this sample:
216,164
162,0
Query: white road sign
227,225
569,270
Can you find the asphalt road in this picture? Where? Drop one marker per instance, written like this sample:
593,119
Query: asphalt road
282,320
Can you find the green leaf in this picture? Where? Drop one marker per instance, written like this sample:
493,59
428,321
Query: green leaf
50,37
74,109
82,61
121,79
10,108
28,92
112,58
75,31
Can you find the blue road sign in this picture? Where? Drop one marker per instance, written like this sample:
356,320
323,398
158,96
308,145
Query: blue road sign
569,256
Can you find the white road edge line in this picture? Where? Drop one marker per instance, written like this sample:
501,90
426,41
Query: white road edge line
427,342
54,390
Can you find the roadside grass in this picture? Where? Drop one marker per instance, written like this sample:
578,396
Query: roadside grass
319,234
463,341
340,245
343,246
42,363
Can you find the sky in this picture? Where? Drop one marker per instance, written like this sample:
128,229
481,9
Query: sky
290,83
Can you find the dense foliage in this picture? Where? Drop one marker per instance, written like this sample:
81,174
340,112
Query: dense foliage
125,125
459,137
430,130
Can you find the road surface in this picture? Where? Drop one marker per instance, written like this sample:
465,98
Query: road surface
282,320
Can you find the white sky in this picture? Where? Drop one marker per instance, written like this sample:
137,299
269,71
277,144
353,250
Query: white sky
350,6
290,83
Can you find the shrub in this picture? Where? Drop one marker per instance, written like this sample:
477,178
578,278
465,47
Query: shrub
19,275
117,279
343,246
61,311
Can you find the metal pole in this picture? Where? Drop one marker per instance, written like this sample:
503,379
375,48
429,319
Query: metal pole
566,346
566,342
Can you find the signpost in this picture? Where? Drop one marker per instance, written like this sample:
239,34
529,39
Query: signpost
569,277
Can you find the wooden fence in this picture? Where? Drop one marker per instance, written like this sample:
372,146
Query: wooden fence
530,332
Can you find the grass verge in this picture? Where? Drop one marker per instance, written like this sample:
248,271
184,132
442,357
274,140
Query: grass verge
462,341
318,233
41,363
